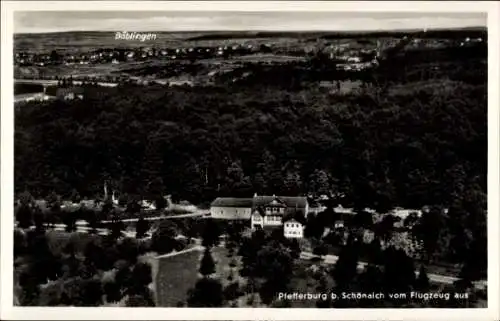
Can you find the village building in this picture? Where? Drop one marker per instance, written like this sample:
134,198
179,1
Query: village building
262,211
69,93
292,228
230,208
270,211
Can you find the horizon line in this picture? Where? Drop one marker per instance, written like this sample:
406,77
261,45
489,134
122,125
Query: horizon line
480,28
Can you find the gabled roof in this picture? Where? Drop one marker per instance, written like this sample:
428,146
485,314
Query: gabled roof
260,211
291,220
297,216
290,202
276,202
232,202
342,210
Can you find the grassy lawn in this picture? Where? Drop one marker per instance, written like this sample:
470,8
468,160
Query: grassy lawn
176,275
179,273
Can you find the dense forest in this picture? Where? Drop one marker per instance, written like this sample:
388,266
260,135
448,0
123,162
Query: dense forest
421,143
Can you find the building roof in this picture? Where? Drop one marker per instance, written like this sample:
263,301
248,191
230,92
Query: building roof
295,217
232,202
260,201
290,202
291,220
342,210
403,213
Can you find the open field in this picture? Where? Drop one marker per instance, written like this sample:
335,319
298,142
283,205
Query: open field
72,41
85,41
76,70
177,273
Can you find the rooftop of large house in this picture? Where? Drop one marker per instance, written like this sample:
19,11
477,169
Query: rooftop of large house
287,201
259,201
232,202
295,219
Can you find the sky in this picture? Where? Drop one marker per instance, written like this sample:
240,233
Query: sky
57,21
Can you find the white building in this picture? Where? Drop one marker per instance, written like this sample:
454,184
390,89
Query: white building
257,220
261,211
339,224
317,209
404,213
293,229
230,208
148,205
270,211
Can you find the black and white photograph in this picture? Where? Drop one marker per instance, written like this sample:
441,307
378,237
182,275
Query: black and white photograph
326,160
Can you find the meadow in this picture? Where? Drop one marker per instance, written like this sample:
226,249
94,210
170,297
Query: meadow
179,273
